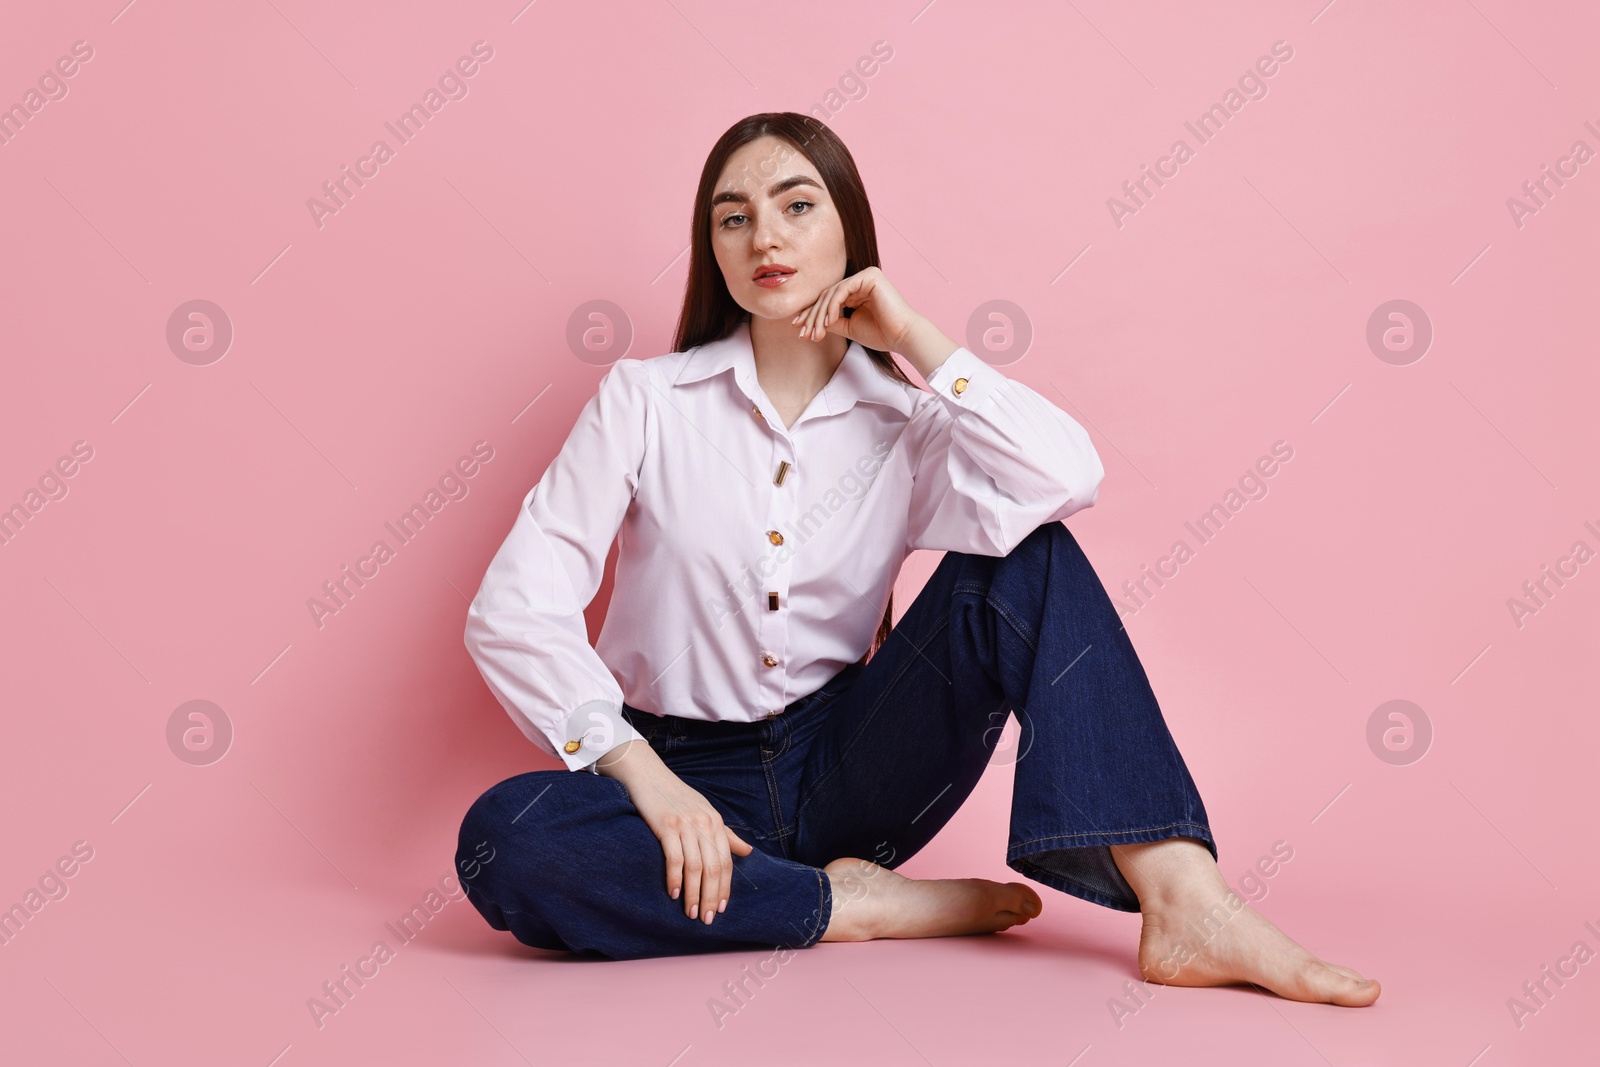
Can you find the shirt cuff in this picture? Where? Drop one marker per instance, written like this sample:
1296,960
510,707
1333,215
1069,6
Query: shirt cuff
592,730
963,381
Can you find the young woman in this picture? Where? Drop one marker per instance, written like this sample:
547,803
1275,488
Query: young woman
764,748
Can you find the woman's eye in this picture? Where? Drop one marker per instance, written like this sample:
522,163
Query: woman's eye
734,218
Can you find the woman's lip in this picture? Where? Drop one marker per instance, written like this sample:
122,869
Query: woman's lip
772,281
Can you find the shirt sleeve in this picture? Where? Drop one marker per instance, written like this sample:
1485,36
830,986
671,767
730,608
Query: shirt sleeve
525,628
994,461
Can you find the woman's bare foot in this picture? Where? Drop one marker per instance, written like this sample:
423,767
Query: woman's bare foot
870,901
1199,932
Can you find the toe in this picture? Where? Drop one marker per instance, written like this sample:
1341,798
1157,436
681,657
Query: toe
1340,985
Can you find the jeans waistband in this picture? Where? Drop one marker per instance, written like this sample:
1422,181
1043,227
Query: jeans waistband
681,726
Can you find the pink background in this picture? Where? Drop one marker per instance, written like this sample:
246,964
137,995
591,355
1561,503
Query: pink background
369,354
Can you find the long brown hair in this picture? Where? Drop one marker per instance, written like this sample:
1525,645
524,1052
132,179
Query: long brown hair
709,311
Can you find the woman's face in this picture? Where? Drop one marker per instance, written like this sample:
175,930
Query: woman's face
772,212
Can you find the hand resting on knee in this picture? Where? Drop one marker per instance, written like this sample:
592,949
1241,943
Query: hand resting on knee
693,838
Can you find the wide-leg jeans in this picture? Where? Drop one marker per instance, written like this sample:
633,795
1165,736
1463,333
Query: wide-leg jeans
869,766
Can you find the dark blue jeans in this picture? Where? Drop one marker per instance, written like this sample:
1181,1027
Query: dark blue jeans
870,766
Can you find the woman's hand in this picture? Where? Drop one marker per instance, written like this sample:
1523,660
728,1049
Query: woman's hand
880,319
693,838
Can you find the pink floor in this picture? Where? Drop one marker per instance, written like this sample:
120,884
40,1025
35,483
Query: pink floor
1408,551
206,946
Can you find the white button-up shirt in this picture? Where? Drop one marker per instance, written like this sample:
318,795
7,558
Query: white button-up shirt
754,561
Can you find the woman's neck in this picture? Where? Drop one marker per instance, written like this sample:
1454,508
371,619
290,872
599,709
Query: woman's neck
792,370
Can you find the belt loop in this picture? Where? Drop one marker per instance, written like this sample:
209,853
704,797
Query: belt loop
783,733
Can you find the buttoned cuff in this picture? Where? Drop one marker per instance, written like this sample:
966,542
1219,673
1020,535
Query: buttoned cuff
592,730
963,381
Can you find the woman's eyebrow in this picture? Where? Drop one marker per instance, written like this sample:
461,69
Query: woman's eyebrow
776,190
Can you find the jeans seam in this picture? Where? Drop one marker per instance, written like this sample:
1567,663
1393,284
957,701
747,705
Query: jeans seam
1010,615
787,740
1109,833
785,831
776,804
822,899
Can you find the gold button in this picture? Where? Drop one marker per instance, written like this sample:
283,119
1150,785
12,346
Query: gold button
757,413
783,472
769,659
573,746
958,386
772,601
775,537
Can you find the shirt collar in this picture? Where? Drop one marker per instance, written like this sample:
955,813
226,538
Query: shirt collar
857,379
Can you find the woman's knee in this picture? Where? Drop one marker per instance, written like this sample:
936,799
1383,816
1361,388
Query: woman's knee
501,824
1048,540
519,824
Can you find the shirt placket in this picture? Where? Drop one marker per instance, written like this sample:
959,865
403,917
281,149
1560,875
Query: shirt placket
772,603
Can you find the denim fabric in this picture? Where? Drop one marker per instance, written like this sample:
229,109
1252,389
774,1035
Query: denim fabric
872,765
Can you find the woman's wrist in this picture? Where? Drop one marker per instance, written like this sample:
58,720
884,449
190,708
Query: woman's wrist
925,346
628,760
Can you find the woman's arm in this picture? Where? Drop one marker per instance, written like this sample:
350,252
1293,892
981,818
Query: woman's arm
992,460
526,632
695,842
525,628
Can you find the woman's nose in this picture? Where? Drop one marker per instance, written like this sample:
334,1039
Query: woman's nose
763,234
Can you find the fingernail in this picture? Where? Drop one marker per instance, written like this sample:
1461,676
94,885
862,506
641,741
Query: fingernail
709,916
694,911
723,906
674,894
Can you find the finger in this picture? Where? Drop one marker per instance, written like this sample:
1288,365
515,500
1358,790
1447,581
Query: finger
727,872
843,291
814,319
799,321
737,843
833,299
718,860
806,317
693,865
711,877
674,853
